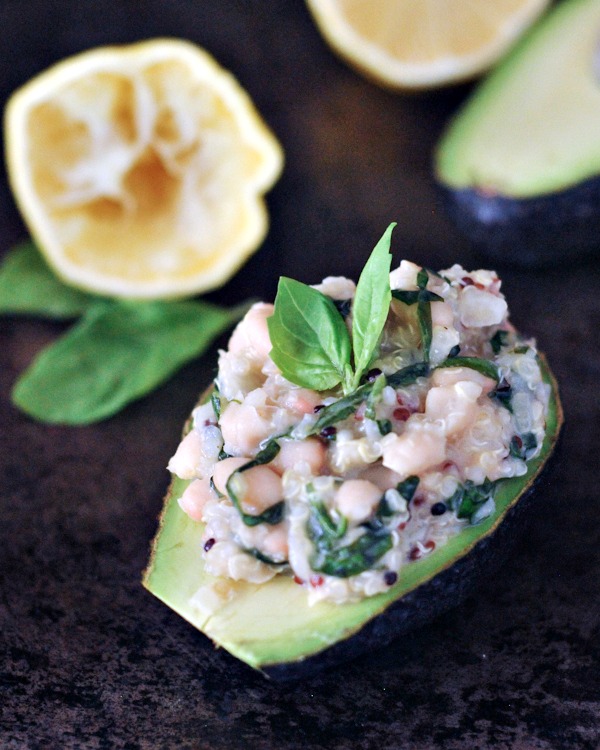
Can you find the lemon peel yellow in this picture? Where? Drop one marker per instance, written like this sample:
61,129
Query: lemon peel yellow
419,44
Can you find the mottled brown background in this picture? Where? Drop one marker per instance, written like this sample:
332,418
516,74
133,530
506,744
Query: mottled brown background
91,660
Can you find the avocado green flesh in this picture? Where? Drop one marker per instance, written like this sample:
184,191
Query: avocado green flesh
532,127
272,624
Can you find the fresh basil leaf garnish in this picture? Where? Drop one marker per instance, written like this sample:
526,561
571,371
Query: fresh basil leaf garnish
29,287
118,352
272,515
484,366
371,304
311,344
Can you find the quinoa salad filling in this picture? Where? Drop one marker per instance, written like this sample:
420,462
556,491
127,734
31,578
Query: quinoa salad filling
341,485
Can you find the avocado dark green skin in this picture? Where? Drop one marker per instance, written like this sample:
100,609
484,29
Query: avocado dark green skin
435,597
532,232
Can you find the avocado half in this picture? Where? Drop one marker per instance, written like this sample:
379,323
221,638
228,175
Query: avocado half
272,628
519,165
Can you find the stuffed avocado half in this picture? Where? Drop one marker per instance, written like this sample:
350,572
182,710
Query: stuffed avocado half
357,465
519,165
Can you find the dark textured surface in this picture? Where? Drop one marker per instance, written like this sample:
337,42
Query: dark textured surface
89,659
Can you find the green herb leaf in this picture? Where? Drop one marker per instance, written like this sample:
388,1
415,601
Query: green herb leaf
408,375
371,304
498,340
272,515
423,298
117,353
341,409
253,552
469,497
484,366
29,287
354,558
408,487
311,344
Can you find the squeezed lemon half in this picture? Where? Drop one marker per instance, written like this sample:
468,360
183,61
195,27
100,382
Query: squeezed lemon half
141,170
417,44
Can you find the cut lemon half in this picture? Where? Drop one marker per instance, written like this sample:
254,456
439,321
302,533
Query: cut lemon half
414,44
140,170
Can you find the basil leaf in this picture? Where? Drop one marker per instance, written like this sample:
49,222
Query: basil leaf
408,297
498,340
469,497
263,558
423,297
484,366
311,344
408,487
29,287
502,393
374,396
408,375
322,529
272,515
117,353
371,304
341,409
354,558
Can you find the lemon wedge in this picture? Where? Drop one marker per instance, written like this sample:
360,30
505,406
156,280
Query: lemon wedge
417,44
141,170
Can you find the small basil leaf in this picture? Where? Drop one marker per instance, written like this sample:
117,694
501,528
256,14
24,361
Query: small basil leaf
311,344
408,375
408,487
498,340
408,297
263,558
371,304
354,558
29,287
118,352
484,366
341,409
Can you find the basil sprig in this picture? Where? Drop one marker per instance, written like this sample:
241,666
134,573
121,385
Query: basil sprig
423,299
310,340
272,515
117,351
